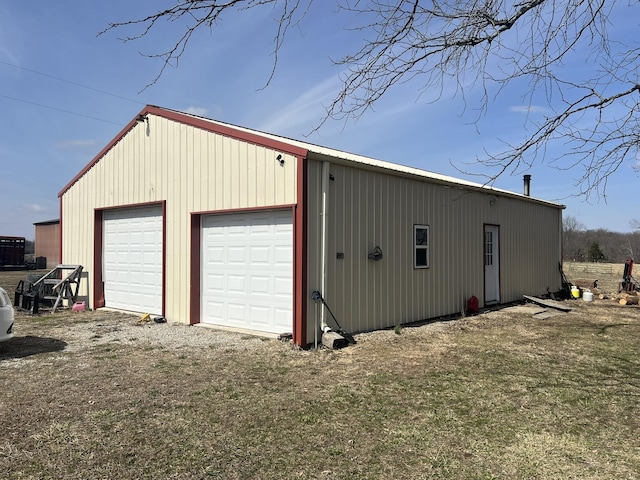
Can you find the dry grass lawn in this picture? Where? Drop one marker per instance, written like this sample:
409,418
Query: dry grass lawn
500,395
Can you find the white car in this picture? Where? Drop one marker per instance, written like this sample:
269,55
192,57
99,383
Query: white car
6,316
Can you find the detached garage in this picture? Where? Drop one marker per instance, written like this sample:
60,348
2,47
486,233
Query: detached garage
208,223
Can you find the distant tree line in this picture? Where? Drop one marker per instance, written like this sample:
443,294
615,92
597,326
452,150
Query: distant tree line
582,245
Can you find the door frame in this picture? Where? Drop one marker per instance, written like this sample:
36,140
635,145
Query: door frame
286,209
491,275
98,232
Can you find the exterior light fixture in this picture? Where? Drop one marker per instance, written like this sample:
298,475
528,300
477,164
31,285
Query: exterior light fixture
280,160
376,254
142,119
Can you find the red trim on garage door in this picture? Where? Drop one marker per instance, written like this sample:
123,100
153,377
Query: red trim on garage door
194,274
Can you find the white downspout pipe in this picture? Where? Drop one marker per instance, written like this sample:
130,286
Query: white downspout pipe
324,241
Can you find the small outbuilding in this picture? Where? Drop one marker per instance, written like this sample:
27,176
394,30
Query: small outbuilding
47,250
208,223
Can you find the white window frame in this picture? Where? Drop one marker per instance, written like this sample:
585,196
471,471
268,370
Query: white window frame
417,247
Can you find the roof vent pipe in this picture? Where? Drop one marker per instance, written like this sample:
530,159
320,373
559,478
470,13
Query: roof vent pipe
527,185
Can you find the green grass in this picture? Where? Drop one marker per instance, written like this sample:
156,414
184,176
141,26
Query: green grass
497,396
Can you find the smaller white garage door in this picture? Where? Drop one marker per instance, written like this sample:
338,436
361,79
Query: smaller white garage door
132,259
247,271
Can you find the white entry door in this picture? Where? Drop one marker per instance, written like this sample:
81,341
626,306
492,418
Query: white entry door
491,264
132,259
247,271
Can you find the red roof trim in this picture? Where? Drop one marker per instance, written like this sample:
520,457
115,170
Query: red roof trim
196,122
227,130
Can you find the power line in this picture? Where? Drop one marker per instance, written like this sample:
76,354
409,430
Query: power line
59,109
71,82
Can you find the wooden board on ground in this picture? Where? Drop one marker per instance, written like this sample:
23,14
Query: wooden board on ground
548,303
536,311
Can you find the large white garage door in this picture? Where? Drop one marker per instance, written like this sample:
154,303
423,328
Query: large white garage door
247,271
132,259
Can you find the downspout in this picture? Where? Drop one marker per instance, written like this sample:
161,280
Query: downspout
324,240
561,242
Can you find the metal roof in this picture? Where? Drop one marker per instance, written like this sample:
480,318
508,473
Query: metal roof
297,147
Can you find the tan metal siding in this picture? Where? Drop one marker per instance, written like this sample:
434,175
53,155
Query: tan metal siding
369,208
193,171
530,250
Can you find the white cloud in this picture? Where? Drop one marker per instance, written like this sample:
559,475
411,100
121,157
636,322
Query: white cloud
34,207
9,37
200,111
7,54
305,109
70,144
527,109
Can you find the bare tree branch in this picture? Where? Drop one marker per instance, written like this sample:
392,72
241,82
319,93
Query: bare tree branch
207,13
466,47
599,150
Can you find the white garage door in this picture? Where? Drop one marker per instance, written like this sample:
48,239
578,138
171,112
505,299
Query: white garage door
247,271
132,259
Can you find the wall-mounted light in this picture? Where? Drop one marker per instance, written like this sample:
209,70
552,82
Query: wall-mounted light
376,254
142,119
280,160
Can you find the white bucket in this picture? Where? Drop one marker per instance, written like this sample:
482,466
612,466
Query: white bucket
587,296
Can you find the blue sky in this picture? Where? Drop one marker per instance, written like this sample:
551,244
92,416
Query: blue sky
66,92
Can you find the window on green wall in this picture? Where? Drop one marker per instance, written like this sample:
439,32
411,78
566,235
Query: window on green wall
420,246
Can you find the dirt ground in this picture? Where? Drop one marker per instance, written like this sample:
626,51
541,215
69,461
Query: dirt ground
497,395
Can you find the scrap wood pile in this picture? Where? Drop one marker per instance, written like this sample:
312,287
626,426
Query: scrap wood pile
627,298
629,287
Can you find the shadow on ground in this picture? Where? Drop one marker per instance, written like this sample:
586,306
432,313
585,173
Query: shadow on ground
21,347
